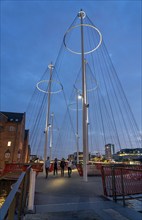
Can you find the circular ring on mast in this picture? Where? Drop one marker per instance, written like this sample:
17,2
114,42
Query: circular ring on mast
73,108
85,25
93,89
88,90
51,92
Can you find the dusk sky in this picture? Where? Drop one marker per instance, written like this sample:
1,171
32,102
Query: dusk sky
32,33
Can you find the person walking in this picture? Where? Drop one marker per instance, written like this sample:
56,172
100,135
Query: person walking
55,166
47,166
69,168
62,165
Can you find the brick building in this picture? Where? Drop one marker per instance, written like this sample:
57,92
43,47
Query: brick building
14,139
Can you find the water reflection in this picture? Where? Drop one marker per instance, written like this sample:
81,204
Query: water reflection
5,188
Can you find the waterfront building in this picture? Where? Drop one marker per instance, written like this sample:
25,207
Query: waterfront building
80,156
127,155
109,151
14,139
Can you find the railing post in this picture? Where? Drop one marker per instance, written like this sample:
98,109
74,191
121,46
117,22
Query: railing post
103,181
122,187
113,184
20,199
31,190
11,211
25,185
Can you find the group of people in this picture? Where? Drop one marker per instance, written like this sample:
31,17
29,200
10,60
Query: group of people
62,164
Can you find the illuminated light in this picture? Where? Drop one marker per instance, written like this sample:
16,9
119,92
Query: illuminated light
9,143
58,182
49,126
85,25
79,96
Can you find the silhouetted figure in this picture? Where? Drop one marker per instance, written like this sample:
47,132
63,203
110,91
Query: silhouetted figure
55,166
69,168
47,166
62,165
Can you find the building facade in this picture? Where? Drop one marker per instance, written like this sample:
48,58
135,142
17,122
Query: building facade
109,151
14,139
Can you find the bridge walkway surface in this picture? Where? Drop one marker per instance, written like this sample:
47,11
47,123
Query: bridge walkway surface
63,198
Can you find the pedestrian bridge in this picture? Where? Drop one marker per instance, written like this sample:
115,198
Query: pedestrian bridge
60,198
63,198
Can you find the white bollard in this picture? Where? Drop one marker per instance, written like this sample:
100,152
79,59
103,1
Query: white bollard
32,190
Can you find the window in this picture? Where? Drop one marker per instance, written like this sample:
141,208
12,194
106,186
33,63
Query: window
9,143
11,128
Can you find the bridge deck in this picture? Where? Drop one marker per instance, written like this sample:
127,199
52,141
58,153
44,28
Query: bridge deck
60,198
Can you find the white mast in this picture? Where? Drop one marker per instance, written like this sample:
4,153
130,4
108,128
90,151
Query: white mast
81,15
48,112
77,135
85,105
51,136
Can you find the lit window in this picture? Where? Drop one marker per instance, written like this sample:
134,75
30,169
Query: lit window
9,143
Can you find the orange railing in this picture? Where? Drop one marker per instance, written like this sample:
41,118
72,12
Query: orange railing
122,181
20,167
92,169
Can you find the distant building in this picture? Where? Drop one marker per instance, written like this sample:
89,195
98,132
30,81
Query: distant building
130,151
80,156
109,151
127,154
71,156
14,139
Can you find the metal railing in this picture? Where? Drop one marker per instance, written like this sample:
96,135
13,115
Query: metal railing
16,202
122,181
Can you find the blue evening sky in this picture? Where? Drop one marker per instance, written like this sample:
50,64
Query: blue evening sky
32,33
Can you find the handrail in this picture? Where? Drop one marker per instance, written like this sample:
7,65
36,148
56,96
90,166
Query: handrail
11,198
4,209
